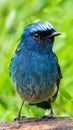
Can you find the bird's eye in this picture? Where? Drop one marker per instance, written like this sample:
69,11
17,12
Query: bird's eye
36,35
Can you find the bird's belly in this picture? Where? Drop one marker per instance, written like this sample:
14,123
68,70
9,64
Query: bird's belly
36,94
35,82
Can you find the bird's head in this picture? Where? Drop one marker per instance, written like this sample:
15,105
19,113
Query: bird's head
39,34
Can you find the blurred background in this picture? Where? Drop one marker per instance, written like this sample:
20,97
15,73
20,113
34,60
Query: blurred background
14,15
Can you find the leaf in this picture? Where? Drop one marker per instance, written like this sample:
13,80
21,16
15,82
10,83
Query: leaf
65,94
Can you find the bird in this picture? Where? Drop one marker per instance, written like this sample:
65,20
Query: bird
34,67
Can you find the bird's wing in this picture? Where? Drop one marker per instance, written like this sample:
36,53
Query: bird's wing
58,81
59,75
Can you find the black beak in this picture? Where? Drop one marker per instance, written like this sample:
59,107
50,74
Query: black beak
54,34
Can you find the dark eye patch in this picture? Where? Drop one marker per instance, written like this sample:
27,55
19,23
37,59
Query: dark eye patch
40,34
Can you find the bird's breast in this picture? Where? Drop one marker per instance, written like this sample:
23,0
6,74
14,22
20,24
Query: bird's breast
34,77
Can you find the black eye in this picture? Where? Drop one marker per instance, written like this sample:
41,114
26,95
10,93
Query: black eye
36,35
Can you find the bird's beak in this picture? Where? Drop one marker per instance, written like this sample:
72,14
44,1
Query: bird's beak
55,34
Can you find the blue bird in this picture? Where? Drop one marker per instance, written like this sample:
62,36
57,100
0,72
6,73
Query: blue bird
34,67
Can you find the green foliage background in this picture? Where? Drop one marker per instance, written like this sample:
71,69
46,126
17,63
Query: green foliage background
14,15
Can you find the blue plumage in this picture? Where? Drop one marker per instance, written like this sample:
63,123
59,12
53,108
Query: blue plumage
34,67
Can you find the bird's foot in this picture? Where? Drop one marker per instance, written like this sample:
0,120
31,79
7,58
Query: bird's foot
44,117
51,116
19,117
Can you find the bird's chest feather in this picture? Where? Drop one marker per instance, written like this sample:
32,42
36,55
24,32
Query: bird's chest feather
34,76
